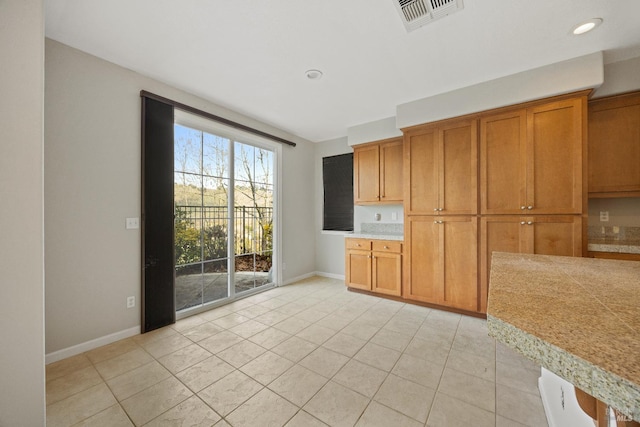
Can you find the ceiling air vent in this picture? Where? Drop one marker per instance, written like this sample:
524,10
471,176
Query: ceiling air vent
416,13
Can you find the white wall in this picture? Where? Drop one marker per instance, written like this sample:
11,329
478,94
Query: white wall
329,245
92,183
22,401
620,77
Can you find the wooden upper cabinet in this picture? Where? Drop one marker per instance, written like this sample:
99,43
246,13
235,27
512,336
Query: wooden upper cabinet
441,169
531,160
377,172
614,145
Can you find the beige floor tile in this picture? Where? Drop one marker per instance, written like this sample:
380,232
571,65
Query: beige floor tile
324,362
230,392
230,320
80,406
344,344
404,326
270,338
316,334
266,367
216,313
427,350
153,401
437,337
360,330
132,382
333,322
520,406
292,325
506,422
202,331
472,364
205,373
241,353
377,415
253,311
154,335
188,323
264,409
473,325
391,339
248,328
448,411
406,397
111,350
522,379
184,358
298,384
192,412
294,349
468,388
219,342
222,423
377,356
510,356
63,387
270,318
303,419
337,405
273,303
359,377
421,371
163,346
67,366
310,315
124,363
114,416
291,308
481,345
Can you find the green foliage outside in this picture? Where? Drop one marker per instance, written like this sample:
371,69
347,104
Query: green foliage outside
188,244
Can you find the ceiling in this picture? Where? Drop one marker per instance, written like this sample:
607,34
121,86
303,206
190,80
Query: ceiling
251,55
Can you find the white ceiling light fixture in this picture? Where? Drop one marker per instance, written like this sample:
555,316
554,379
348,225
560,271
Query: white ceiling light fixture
313,74
586,26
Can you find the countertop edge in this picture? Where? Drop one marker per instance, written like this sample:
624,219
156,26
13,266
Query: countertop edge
614,248
603,385
375,236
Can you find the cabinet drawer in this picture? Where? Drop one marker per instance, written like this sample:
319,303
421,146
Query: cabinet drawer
387,246
363,244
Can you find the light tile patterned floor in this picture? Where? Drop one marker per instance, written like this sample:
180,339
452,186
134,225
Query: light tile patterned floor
309,354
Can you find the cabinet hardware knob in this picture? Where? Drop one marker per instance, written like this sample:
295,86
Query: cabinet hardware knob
440,222
529,222
435,222
530,207
386,247
358,244
522,207
440,209
435,209
522,222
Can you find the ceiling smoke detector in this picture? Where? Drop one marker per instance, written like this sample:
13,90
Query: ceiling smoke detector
416,13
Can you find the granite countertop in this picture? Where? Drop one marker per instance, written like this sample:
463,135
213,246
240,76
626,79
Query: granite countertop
379,230
577,317
606,245
380,236
618,239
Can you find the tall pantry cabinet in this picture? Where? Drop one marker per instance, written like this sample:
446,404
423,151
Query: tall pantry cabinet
511,179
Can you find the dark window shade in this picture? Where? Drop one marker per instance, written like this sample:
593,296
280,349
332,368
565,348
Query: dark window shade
337,178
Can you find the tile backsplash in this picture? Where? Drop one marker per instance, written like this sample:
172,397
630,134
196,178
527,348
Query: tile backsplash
614,233
382,227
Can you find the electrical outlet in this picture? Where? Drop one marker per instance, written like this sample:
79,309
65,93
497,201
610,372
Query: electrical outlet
394,216
131,302
604,216
377,216
132,223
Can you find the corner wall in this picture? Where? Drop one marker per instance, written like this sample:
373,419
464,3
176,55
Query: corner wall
92,183
22,396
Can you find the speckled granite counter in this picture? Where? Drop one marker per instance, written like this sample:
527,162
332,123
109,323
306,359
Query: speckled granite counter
616,247
577,317
615,239
381,236
379,230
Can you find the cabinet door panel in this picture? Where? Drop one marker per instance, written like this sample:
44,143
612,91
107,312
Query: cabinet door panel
554,181
503,162
557,235
387,273
614,144
358,266
391,171
421,173
459,175
460,262
366,171
422,280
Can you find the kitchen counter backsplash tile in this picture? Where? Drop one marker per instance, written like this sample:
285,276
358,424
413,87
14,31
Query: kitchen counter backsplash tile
614,239
381,228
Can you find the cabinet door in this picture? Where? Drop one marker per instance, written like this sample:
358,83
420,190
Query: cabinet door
503,140
458,174
422,273
387,273
421,172
554,157
497,234
358,269
555,235
459,262
366,174
614,144
391,171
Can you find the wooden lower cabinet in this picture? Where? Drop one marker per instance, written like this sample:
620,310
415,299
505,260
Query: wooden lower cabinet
546,235
442,260
374,265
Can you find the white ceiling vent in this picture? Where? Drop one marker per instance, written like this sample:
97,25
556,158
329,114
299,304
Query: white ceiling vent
416,13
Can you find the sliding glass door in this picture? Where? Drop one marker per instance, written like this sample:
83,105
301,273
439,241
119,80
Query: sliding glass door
223,210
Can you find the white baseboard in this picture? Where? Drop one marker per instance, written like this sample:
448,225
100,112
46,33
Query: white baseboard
296,279
330,275
90,345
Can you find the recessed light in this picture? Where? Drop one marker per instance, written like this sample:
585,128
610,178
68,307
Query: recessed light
313,74
586,26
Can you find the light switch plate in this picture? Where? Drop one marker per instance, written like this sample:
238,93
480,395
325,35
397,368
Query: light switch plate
132,223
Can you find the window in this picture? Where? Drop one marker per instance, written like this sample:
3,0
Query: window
337,178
